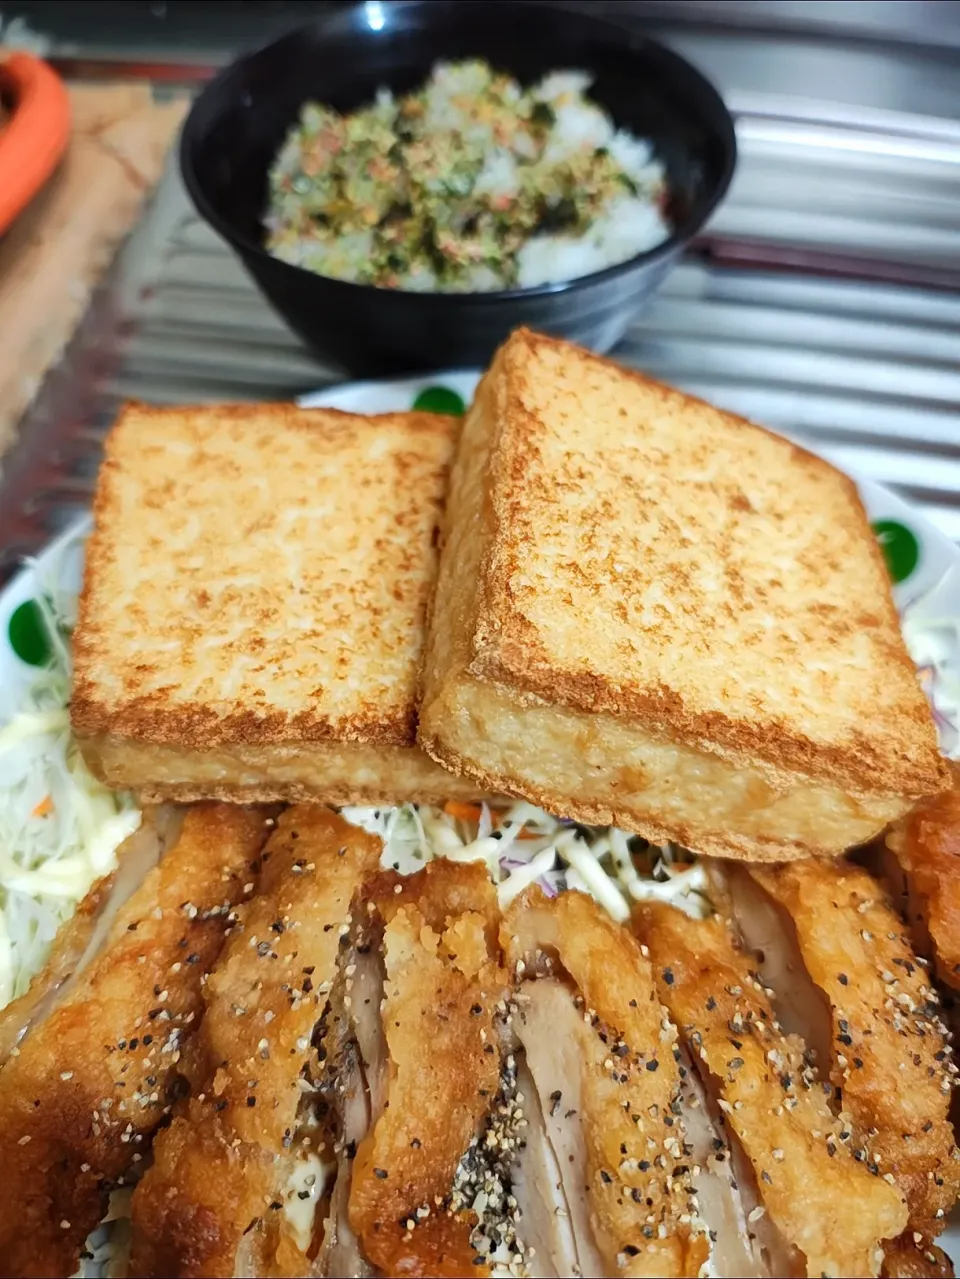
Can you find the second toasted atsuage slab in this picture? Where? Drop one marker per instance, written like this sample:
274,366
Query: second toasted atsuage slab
656,614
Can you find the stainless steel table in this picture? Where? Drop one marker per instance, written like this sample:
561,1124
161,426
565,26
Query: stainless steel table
823,300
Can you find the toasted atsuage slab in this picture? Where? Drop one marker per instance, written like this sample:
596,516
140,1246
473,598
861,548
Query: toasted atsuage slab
253,613
653,613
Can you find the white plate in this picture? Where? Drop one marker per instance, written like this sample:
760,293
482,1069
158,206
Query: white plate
924,563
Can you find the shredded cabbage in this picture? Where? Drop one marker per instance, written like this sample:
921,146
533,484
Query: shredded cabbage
931,631
59,827
521,845
106,1252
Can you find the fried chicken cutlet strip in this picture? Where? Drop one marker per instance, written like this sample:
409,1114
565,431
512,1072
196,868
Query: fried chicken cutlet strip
890,1056
625,1173
82,1096
774,1106
443,982
81,937
906,1259
926,845
354,1047
70,944
211,1203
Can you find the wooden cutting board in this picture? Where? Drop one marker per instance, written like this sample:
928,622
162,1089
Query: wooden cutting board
55,254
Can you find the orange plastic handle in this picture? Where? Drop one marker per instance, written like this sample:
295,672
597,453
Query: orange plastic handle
37,133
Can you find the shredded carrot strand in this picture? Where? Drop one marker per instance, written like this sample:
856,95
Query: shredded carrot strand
45,806
462,812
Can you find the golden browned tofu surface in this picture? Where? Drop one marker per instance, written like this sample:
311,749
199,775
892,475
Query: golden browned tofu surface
253,611
653,613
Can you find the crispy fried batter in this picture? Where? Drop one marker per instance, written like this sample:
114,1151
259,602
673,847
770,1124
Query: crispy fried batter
220,1167
807,1176
629,1084
905,1259
81,1098
80,938
723,1184
890,1056
441,891
441,988
200,1185
927,846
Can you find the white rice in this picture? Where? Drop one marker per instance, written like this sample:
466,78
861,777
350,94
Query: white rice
627,226
579,126
630,226
561,84
499,175
636,157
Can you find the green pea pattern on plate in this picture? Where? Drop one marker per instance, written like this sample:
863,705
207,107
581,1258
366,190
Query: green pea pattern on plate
900,548
440,399
28,635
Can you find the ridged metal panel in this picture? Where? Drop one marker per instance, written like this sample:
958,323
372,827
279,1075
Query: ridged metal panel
868,373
